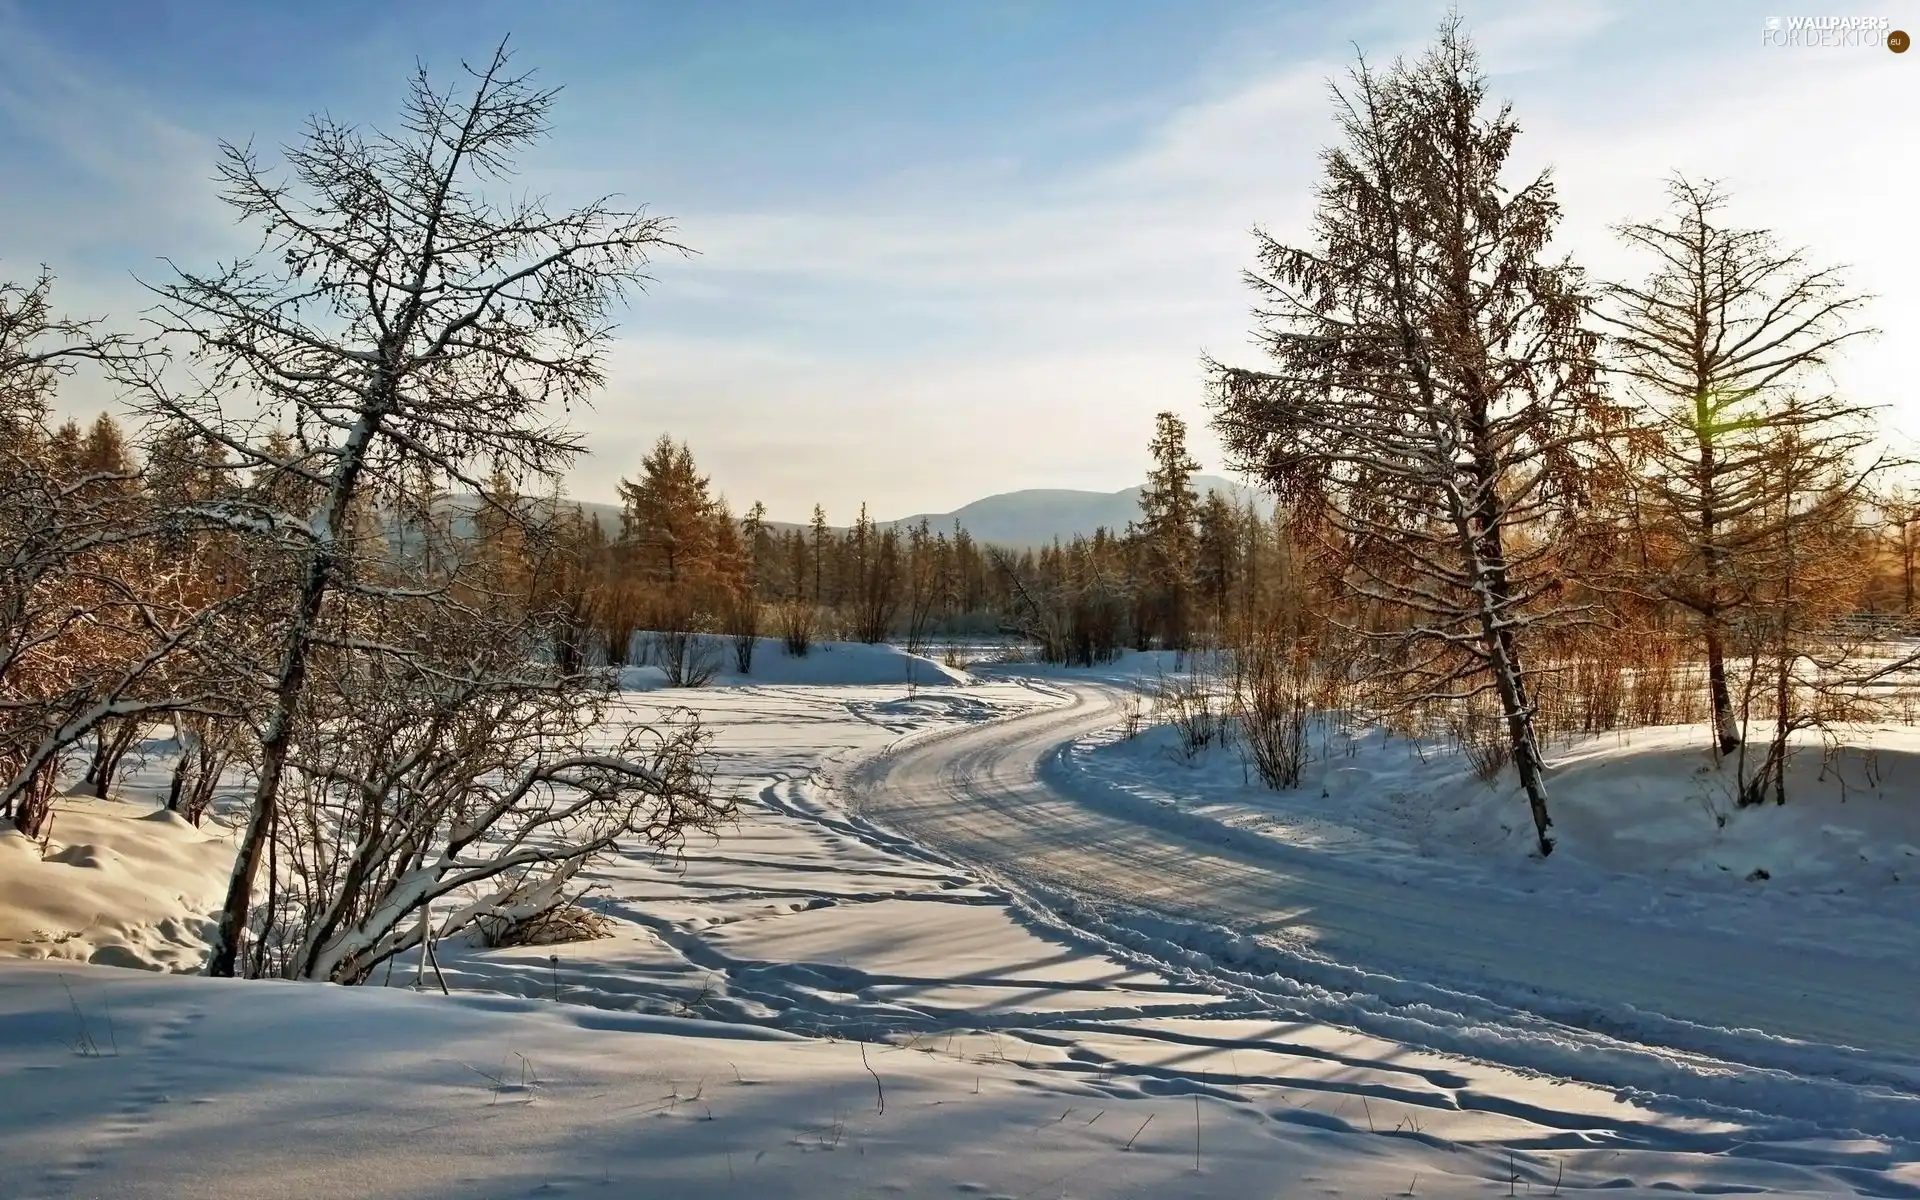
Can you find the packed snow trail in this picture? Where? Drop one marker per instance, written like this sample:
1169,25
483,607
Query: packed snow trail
1672,995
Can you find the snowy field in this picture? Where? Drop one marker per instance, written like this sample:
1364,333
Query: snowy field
966,940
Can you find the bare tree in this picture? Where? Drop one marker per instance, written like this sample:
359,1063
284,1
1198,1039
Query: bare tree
208,745
1804,675
1725,344
877,575
743,613
399,321
923,585
1900,514
1433,385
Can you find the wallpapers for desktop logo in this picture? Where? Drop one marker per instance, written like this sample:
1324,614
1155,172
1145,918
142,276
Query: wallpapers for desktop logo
1833,33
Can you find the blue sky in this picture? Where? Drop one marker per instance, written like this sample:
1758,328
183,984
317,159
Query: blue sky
944,249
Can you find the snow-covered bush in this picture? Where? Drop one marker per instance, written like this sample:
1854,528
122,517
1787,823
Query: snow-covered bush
446,773
1188,702
797,623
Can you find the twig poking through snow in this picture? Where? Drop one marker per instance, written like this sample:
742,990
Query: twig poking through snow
880,1093
83,1044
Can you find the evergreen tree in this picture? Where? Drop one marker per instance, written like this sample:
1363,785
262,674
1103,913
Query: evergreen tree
1432,399
667,517
1169,511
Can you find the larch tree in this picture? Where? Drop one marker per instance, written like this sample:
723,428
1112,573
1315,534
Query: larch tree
405,315
1217,566
667,516
923,590
822,536
759,543
1432,385
1725,344
875,576
1900,514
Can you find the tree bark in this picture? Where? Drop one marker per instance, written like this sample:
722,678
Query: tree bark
1503,657
1726,727
1527,761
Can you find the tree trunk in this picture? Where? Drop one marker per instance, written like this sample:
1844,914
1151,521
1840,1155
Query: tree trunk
1481,534
292,683
33,815
1726,727
1907,555
259,968
97,761
112,740
266,791
1527,761
178,786
1503,657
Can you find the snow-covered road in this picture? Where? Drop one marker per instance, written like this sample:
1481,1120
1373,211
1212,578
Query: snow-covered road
808,1005
1534,982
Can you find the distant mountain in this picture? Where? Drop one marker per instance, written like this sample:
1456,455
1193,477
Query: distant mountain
1036,516
459,509
607,514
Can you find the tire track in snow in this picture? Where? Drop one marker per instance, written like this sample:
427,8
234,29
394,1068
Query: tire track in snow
1148,895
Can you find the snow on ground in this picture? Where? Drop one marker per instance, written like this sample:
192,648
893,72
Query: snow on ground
273,1090
1646,802
1788,1040
1644,821
812,1005
826,664
122,884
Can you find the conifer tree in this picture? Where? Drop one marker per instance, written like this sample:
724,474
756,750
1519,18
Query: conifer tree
1432,400
1169,512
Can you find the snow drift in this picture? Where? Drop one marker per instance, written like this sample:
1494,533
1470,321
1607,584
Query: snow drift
120,884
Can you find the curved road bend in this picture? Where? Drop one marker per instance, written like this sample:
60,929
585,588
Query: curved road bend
978,795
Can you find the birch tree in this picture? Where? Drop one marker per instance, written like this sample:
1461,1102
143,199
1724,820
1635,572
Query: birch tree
407,314
1432,384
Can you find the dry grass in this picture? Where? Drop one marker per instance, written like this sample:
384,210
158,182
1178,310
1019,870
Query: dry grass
566,923
1191,703
1274,683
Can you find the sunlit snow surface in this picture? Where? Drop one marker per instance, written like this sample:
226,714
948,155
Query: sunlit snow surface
818,1004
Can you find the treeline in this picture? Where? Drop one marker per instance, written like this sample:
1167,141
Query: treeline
681,560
